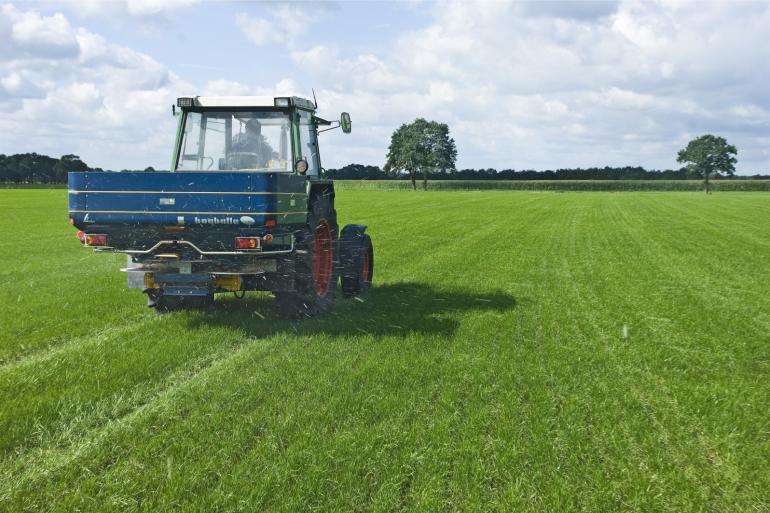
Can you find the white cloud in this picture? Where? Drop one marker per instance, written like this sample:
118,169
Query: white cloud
68,90
533,85
287,24
225,88
134,8
258,30
31,35
30,29
149,7
284,87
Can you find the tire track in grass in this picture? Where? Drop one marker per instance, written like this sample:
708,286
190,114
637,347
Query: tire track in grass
304,435
94,378
402,431
27,473
52,297
555,496
70,344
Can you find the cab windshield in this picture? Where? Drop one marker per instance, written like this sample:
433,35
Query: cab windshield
233,141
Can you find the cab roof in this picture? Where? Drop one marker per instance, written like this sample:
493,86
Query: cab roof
244,101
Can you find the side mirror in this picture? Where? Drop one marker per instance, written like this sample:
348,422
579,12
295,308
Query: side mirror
301,166
345,122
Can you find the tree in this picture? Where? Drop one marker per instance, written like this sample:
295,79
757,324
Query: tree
421,147
66,164
34,168
708,156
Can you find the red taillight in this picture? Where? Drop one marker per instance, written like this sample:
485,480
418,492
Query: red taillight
81,237
247,242
94,239
269,222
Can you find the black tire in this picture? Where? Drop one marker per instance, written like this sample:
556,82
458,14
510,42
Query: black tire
163,303
315,263
358,280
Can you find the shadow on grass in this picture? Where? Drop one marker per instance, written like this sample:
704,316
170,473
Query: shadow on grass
389,309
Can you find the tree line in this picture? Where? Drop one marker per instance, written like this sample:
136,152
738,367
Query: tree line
425,148
364,172
35,168
41,169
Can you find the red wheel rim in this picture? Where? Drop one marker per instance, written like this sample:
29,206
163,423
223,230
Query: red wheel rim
322,258
365,267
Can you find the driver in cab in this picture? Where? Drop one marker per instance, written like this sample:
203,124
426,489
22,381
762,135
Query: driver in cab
249,149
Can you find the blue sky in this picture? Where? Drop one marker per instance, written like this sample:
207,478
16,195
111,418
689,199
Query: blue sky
531,85
204,42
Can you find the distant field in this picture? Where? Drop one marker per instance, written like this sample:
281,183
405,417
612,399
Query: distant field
520,351
562,185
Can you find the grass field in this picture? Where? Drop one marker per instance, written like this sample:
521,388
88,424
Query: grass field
520,351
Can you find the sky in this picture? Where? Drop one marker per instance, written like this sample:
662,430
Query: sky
526,85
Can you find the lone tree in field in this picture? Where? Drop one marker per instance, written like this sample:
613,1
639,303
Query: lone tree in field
421,147
709,155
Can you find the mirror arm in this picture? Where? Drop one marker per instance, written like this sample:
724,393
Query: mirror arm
332,128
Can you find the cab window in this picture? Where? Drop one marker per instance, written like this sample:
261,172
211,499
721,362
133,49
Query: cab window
235,141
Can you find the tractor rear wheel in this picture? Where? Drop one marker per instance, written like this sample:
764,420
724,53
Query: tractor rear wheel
315,263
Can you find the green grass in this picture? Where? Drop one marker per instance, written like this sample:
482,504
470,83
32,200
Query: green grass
486,371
